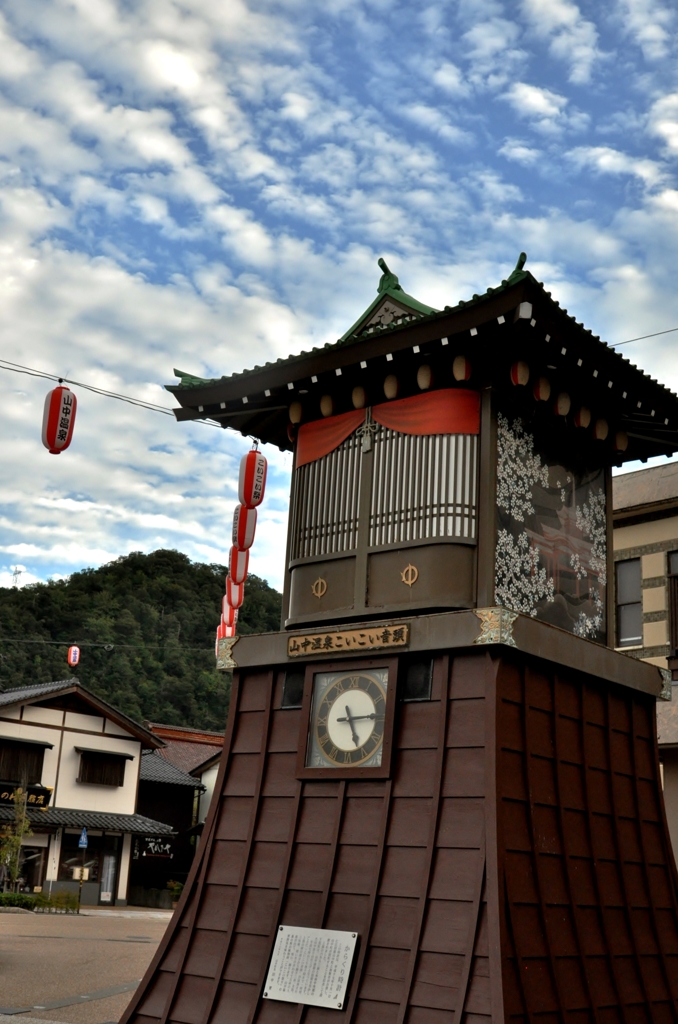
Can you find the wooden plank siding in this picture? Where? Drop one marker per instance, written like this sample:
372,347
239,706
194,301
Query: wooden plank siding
572,916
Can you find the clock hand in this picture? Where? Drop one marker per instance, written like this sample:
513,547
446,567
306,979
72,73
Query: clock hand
358,718
349,719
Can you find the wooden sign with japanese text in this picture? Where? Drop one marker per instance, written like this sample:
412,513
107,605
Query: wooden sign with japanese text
379,638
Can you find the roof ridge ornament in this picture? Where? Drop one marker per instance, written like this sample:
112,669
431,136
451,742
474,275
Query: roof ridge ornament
517,274
388,281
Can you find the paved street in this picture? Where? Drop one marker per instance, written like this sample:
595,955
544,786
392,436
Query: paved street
48,963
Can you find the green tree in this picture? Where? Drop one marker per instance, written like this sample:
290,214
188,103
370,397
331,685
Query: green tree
10,839
146,626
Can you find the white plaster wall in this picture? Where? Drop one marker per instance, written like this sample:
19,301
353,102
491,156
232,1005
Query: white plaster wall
640,534
112,799
37,839
111,728
48,716
92,723
208,780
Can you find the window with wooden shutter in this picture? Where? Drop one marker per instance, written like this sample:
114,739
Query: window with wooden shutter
21,762
100,768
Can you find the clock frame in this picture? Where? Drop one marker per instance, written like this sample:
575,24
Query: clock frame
347,771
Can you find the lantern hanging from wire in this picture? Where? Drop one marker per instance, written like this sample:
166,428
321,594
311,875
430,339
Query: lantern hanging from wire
252,482
235,593
244,527
229,615
73,655
238,562
58,419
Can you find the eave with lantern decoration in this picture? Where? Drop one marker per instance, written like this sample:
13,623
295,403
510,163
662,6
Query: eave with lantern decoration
518,320
525,357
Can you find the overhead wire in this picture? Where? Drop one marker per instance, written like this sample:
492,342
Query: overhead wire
30,371
99,643
644,336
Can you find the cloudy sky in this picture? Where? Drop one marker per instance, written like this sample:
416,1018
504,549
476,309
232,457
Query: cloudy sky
208,185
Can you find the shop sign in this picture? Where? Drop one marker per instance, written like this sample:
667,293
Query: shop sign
155,846
38,796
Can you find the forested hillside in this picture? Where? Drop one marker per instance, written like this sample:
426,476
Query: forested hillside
145,625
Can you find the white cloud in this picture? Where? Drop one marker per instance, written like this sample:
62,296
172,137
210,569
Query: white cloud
519,152
649,25
208,186
425,116
572,38
663,121
605,160
547,111
449,78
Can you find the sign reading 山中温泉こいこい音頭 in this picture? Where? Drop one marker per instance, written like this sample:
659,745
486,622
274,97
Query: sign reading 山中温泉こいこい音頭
379,638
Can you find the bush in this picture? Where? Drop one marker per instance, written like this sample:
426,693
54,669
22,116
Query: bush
17,899
58,903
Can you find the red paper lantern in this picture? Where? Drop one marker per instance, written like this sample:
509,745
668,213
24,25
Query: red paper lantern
582,417
252,481
58,419
461,368
542,390
237,564
235,593
73,656
600,430
621,441
520,373
244,526
229,615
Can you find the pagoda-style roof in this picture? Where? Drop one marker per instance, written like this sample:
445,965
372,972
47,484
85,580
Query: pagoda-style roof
518,320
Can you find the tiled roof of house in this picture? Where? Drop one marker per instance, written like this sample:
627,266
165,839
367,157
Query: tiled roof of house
186,748
645,487
30,694
66,817
156,768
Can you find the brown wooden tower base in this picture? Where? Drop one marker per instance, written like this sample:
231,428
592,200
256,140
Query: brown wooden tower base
514,865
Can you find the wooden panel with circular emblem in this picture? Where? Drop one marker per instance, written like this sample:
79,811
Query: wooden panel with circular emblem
348,720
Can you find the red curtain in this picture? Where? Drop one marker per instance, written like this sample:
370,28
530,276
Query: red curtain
449,411
322,436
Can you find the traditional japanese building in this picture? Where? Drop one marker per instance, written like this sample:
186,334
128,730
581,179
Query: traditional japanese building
79,760
440,752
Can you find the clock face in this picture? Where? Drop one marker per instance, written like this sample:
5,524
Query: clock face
347,719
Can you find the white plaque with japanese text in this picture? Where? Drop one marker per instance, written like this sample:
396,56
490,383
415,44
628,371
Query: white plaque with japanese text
310,965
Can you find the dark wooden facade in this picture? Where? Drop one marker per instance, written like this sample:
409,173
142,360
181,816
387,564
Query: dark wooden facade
514,866
513,862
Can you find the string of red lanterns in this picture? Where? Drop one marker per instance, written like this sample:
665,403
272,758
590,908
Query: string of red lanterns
251,488
520,375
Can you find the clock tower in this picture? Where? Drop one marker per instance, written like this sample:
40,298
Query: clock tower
440,754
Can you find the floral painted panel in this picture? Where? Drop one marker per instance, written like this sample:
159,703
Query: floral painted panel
551,560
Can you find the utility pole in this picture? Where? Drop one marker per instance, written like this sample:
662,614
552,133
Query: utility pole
16,572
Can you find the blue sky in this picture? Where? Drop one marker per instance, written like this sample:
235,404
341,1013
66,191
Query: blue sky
208,185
